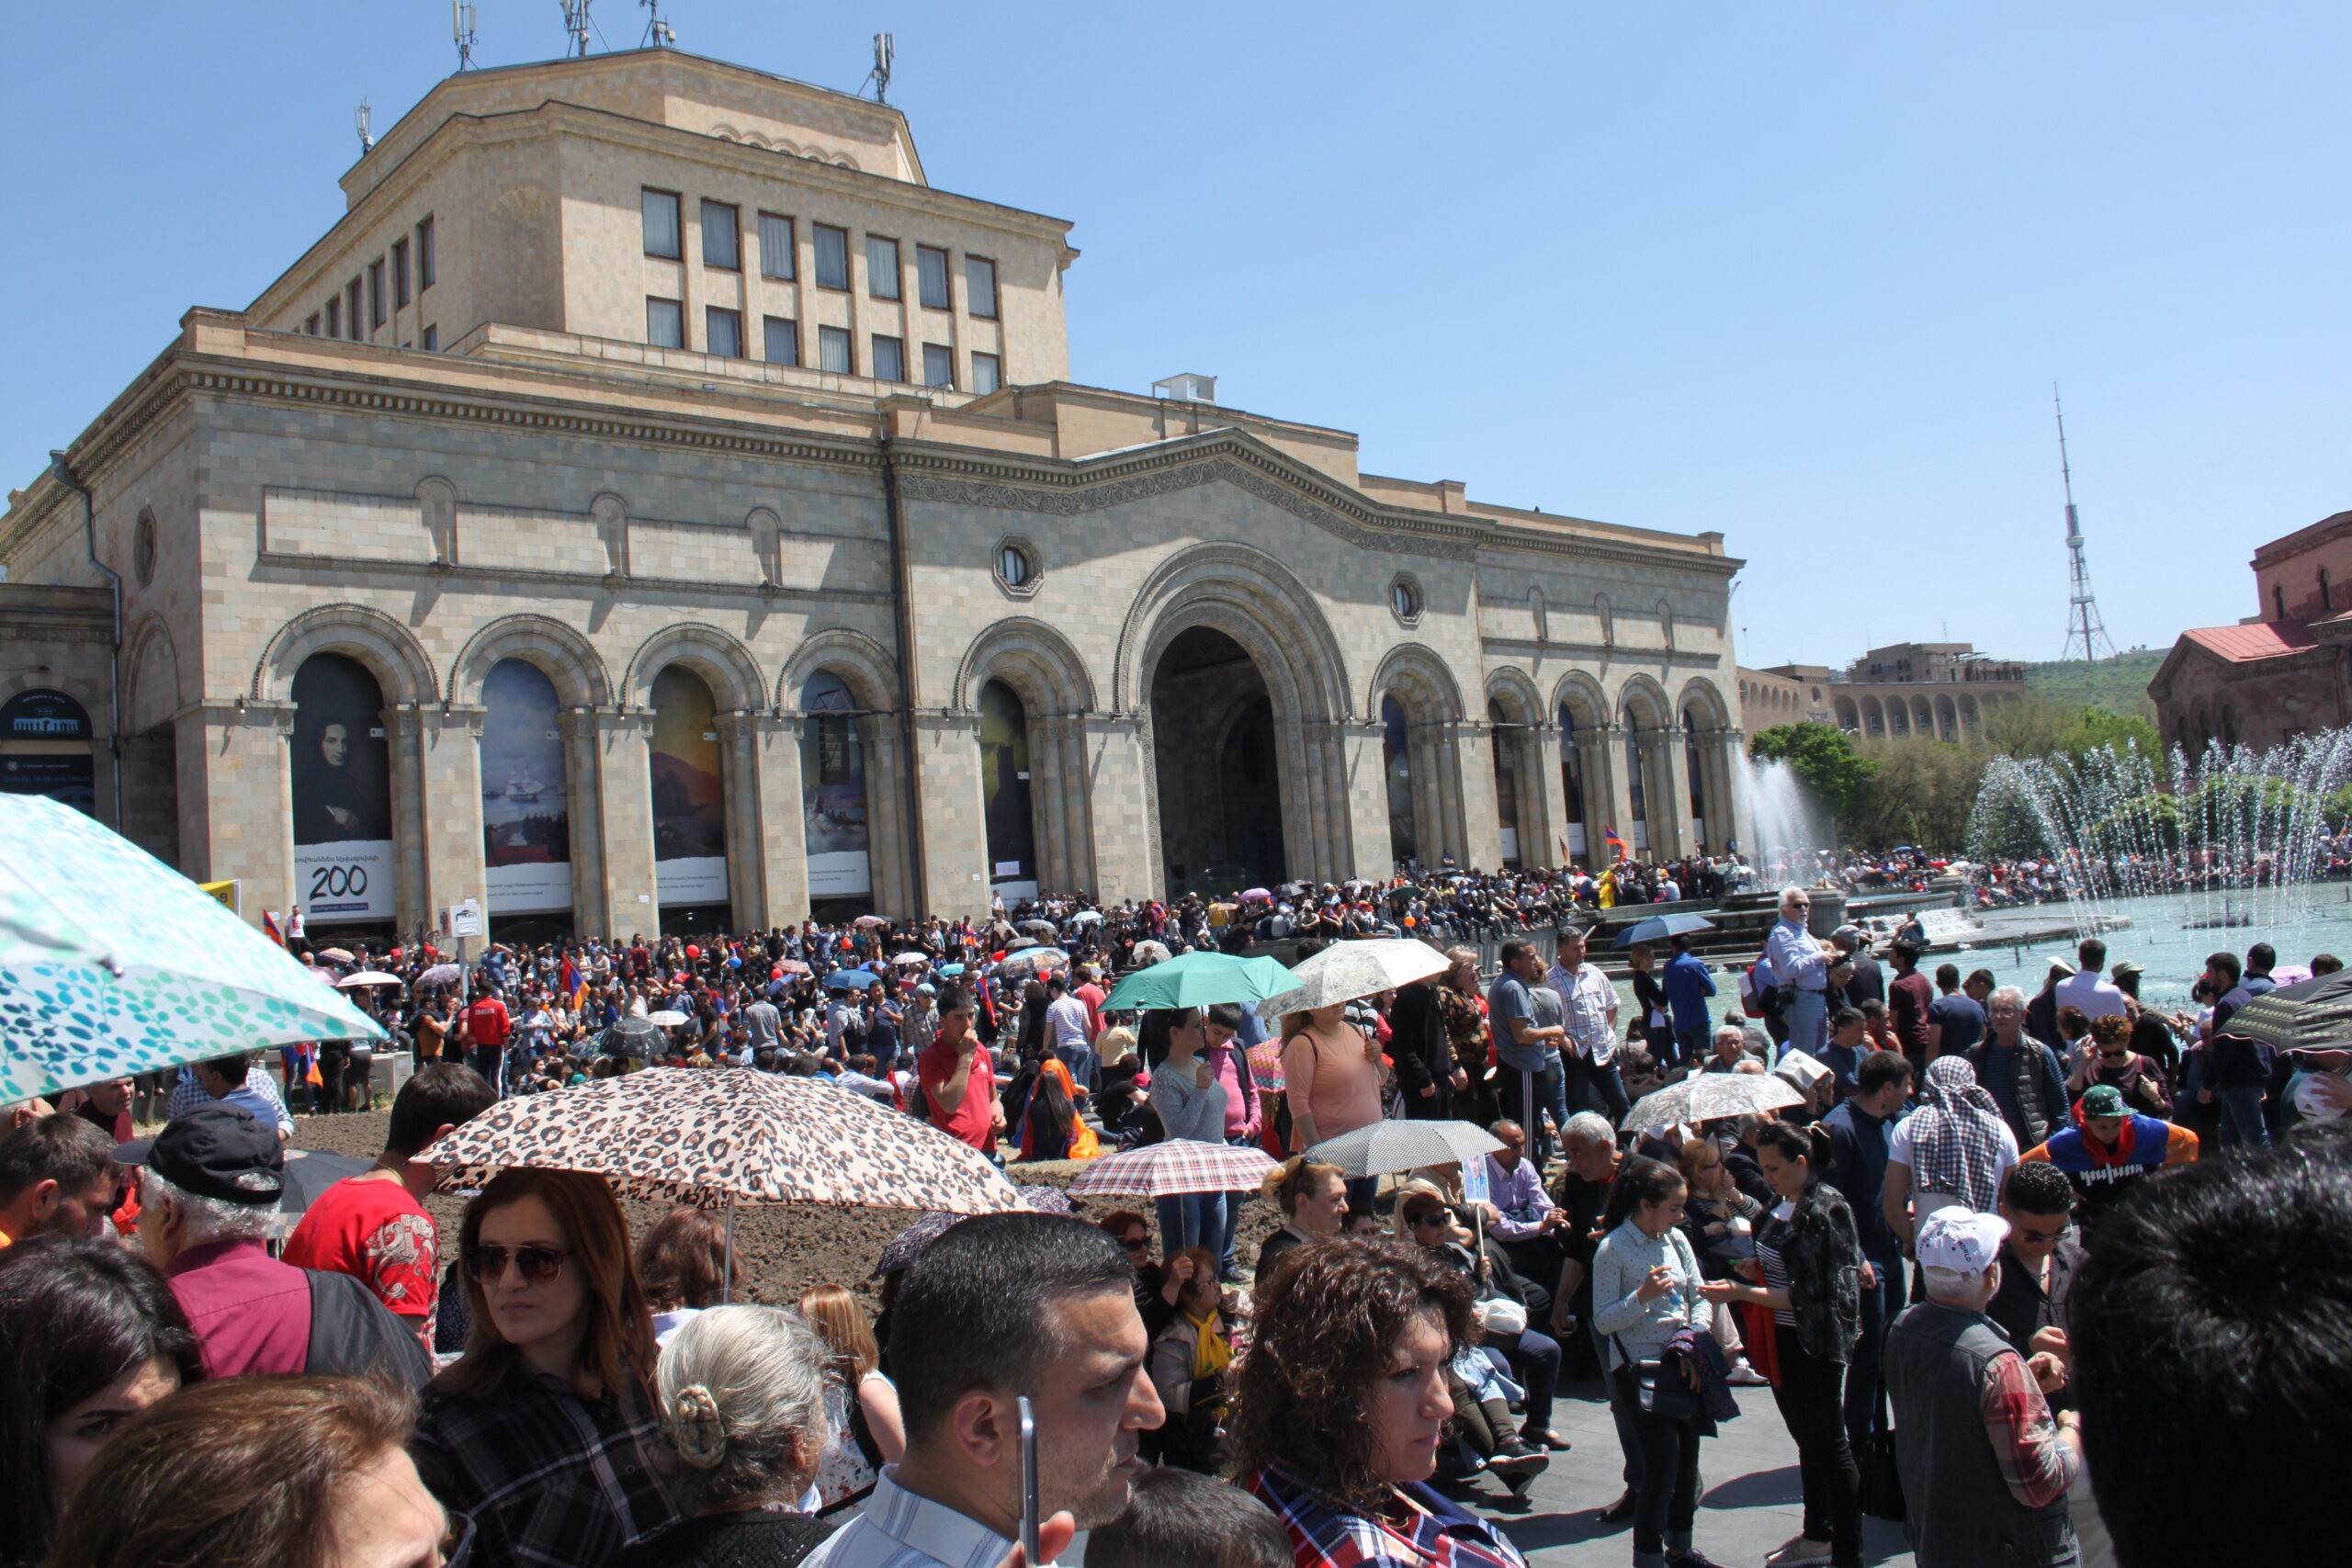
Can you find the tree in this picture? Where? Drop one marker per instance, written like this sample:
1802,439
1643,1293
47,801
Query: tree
1823,758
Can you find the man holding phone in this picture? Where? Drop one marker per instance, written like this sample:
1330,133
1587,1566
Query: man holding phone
1001,1307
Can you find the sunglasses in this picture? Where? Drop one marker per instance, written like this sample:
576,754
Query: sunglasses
457,1542
2043,1238
1136,1243
538,1264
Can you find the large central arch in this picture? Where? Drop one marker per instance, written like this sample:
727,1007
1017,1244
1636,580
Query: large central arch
1214,765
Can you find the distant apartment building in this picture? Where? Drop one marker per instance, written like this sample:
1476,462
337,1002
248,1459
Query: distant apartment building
1938,689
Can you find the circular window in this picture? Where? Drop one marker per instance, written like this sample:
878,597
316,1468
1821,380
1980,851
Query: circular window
142,549
1013,566
1017,570
1405,599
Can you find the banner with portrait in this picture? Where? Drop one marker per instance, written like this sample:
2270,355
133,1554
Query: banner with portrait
342,798
689,793
525,818
833,791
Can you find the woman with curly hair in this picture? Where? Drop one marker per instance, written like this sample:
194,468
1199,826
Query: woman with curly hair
1342,1403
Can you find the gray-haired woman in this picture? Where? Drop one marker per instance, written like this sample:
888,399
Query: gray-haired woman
743,1396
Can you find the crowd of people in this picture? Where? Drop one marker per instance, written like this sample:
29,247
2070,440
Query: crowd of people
2038,1275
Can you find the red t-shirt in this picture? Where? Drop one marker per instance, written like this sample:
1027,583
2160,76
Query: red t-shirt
486,1022
373,1231
971,1122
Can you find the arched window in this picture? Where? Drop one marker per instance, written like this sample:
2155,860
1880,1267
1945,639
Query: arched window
2279,600
2325,605
1397,757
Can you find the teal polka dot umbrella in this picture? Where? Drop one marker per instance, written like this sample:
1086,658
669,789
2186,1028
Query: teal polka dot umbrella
112,962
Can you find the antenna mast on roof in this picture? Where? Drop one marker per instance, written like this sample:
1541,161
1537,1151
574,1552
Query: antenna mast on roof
659,34
2086,632
576,26
362,122
462,18
885,49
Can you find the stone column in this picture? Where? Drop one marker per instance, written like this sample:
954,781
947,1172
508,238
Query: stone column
949,815
1363,808
1672,762
236,799
1543,795
405,743
1120,780
592,915
1730,747
1078,804
887,819
1482,824
1608,793
625,803
448,781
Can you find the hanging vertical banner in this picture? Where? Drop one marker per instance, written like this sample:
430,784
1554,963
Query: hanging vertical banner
689,793
525,818
833,792
343,814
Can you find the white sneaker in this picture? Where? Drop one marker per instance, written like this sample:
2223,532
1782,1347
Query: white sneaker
1797,1552
1745,1376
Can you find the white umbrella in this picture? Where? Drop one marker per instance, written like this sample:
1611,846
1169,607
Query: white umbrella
913,960
1385,1146
1346,970
668,1018
441,974
1708,1096
368,977
1087,917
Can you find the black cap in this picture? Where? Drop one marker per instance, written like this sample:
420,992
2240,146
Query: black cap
214,1151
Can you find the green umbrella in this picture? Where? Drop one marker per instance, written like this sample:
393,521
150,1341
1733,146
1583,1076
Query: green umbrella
1198,979
111,963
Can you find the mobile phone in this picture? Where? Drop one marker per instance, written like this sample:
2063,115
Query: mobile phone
1029,1484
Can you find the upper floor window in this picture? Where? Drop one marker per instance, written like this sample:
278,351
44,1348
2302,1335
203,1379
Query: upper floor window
351,311
889,358
833,351
782,340
722,237
400,275
2326,603
775,246
938,365
335,318
427,269
312,326
723,331
979,286
931,277
881,267
665,323
832,256
661,224
2277,594
375,301
987,372
431,340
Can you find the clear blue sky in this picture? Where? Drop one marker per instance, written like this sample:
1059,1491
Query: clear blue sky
1799,273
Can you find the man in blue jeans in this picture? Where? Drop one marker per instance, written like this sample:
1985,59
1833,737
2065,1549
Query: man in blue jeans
1688,987
1858,1131
2236,1071
1799,965
1527,1044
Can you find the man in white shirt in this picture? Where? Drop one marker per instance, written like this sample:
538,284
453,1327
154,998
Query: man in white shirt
2089,991
1000,1306
1589,1002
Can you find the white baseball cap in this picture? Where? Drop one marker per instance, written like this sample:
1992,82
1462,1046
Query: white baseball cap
1961,1239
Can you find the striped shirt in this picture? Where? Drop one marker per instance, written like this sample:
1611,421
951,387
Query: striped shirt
898,1528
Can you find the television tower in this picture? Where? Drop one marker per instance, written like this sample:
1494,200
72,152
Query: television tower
2086,632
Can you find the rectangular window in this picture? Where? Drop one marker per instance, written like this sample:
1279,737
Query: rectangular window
426,268
987,372
312,326
376,301
661,224
665,323
782,340
881,267
721,236
775,246
889,358
931,277
351,311
723,331
400,275
938,365
833,350
335,318
431,340
832,256
979,286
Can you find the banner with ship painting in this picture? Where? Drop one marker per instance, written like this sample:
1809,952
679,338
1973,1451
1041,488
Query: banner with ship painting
525,820
689,795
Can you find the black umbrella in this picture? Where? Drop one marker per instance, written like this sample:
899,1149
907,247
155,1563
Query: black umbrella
2308,1015
310,1173
631,1037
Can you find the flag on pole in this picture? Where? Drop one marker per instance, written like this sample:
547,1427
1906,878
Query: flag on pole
1616,845
269,927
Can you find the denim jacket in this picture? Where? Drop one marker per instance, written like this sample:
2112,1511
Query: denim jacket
1824,1257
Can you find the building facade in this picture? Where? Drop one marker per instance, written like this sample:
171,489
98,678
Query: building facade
1936,689
2283,671
653,504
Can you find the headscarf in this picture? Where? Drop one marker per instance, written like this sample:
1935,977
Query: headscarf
1956,1137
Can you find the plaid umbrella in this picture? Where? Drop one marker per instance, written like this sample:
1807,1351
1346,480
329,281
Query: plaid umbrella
1178,1166
2306,1016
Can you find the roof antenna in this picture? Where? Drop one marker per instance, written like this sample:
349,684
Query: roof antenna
576,25
365,127
462,18
659,34
885,49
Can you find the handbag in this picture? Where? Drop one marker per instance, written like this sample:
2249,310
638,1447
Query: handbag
1654,1389
1882,1495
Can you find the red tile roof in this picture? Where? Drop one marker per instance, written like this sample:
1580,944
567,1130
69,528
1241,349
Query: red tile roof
2263,639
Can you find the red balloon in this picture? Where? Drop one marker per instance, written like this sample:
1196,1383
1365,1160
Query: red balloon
776,973
693,952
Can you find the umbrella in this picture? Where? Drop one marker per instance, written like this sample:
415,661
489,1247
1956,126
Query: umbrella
1250,893
906,1246
2308,1015
136,967
368,977
870,920
1658,928
913,960
1706,1097
668,1018
340,954
1346,970
792,966
851,979
1019,942
1087,917
951,970
1178,1166
1034,960
1044,931
631,1037
1151,952
310,1173
441,974
1045,1199
1198,979
1385,1146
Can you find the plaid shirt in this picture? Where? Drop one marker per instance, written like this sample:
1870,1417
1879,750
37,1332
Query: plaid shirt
2037,1467
551,1480
1420,1529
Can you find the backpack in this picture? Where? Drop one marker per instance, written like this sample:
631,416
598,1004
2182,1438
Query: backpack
355,1334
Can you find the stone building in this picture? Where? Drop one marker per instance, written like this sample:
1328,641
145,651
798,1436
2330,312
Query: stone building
1936,689
653,502
2283,671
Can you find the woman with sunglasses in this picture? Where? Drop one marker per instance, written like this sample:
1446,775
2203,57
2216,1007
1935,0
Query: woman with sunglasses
545,1430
